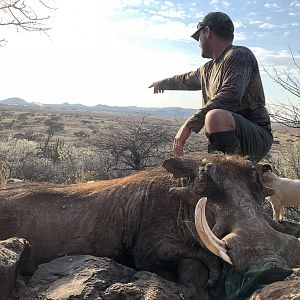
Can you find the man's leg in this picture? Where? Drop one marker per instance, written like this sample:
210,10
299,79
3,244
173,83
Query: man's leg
220,130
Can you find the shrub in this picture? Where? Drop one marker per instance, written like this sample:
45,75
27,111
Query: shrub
14,153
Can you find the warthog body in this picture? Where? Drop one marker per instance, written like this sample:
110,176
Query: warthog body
147,220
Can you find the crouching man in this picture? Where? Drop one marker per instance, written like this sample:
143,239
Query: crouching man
233,113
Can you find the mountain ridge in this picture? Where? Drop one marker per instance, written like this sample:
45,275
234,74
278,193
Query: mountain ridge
156,111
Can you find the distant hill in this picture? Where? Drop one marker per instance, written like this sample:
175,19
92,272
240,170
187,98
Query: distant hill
14,101
173,112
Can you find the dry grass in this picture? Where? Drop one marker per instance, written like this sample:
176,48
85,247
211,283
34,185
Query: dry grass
16,120
77,124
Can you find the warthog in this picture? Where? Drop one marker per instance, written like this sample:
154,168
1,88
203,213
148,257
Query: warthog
147,220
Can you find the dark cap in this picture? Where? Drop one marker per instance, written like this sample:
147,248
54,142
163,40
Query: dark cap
219,22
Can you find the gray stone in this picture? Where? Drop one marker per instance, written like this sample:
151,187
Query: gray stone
289,289
13,252
91,278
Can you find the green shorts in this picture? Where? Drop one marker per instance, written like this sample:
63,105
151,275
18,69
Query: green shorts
255,140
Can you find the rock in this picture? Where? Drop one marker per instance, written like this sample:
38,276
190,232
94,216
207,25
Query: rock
89,277
15,180
295,275
289,289
281,290
13,253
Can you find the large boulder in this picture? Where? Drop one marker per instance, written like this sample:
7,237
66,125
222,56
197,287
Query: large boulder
89,277
288,289
13,252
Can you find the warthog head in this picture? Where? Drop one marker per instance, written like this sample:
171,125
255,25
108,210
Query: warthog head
228,194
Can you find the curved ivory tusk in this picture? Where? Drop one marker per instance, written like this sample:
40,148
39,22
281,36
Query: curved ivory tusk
213,244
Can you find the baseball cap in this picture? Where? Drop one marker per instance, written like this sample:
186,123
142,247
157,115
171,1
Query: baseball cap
219,22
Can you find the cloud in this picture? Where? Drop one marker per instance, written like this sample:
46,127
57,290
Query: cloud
267,26
162,8
238,24
295,4
129,2
240,36
216,2
280,60
200,15
255,22
172,13
157,27
271,5
167,5
150,2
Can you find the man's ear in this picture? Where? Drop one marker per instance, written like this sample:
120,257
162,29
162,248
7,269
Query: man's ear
181,167
208,31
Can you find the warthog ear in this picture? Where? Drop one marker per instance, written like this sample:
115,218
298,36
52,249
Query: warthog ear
181,167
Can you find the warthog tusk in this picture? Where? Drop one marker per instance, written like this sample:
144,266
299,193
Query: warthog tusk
213,244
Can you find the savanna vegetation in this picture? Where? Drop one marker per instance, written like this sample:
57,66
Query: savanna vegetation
76,146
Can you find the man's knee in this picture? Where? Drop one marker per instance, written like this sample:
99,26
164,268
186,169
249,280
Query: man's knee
219,120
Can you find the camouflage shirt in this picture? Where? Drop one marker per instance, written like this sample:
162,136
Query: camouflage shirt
231,82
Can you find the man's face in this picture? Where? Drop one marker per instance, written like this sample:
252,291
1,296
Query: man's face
204,43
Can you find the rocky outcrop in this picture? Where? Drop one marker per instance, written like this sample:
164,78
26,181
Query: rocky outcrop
281,290
89,277
13,252
288,289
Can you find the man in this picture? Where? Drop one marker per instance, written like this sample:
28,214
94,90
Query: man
233,113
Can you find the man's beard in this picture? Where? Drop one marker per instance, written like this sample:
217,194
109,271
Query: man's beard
205,51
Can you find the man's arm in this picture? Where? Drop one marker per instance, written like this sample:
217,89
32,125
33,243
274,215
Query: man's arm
189,81
180,139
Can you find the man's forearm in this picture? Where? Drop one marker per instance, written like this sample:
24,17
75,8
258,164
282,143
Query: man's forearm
188,81
196,121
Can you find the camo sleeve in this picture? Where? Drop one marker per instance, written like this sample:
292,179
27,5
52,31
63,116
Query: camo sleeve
231,84
188,81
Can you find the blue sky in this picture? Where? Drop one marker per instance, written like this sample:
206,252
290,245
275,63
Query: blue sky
109,52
